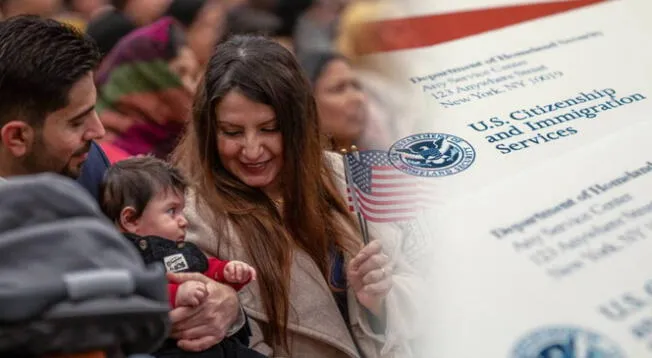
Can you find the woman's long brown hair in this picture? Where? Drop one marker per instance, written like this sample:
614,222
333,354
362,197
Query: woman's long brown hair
267,73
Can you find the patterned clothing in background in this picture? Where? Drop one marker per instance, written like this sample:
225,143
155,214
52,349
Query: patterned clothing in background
142,103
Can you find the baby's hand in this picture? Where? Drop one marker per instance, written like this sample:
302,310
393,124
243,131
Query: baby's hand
191,293
239,272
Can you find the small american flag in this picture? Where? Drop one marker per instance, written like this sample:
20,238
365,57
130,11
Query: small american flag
382,192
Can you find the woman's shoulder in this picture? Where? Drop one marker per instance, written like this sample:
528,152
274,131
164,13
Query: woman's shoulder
213,233
200,227
334,162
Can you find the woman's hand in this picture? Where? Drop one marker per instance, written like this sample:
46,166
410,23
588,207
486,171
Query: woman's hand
370,276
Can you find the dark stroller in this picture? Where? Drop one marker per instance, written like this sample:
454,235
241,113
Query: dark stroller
69,282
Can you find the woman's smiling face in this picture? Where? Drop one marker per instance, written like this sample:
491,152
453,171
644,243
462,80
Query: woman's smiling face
249,142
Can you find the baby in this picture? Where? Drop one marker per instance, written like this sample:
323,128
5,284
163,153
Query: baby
144,197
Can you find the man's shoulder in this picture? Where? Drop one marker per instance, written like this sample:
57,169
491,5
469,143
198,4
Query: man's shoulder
93,170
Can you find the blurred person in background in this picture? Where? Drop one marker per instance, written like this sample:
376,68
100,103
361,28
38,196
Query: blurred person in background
123,17
230,4
287,10
341,103
203,22
353,38
145,88
141,12
390,108
86,9
316,28
79,12
44,8
248,20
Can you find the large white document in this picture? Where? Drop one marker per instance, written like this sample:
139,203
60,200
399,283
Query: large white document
537,138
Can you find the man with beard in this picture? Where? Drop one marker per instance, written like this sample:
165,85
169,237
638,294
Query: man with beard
47,98
48,124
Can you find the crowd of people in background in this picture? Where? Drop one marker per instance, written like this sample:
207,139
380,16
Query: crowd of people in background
207,132
315,30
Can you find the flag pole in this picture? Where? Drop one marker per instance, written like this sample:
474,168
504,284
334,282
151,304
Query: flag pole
350,185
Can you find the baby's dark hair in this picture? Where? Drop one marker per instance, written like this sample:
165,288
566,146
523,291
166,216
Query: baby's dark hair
135,181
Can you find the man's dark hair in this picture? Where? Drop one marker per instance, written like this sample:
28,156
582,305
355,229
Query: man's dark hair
40,61
135,182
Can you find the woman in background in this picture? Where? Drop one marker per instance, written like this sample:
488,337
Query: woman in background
43,8
114,22
203,22
79,12
342,103
390,99
145,88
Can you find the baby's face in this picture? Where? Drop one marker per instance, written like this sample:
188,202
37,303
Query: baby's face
163,217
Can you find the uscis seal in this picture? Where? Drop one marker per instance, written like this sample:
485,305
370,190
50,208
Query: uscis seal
565,342
431,154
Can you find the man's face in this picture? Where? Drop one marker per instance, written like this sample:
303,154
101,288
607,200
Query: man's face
62,144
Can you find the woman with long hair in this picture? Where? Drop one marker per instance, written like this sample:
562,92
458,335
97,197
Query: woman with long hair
264,193
204,23
341,101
